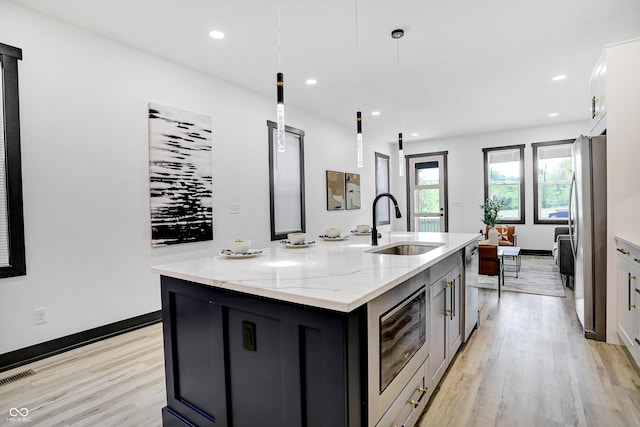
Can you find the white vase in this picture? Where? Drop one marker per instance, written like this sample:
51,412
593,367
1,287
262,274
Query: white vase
493,235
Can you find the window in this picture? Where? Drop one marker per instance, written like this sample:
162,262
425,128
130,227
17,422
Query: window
286,183
12,258
382,186
552,172
504,179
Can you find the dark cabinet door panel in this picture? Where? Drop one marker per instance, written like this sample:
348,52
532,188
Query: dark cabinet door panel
195,357
255,373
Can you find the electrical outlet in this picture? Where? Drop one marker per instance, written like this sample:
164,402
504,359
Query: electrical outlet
41,315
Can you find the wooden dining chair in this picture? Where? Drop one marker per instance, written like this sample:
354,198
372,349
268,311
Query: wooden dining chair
490,263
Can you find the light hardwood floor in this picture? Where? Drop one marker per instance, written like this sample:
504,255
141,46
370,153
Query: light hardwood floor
115,382
527,365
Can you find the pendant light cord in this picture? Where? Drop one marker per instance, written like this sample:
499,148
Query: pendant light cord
279,56
399,105
357,60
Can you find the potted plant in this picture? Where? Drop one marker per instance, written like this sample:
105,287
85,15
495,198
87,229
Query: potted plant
491,209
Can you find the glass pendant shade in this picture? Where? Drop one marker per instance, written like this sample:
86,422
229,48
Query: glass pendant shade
400,155
280,136
359,139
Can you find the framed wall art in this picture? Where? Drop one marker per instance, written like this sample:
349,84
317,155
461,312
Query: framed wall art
180,176
335,190
352,190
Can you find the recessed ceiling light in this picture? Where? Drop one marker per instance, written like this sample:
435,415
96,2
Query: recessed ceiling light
414,134
375,113
216,35
559,77
552,114
311,82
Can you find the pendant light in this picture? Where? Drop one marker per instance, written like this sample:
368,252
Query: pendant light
397,34
359,148
280,135
359,139
400,155
280,113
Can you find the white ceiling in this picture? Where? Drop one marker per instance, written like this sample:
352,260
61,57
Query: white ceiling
466,66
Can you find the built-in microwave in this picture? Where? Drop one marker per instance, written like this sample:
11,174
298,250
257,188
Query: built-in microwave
402,331
397,339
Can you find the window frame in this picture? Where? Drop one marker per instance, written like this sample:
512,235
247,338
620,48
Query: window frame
444,173
383,214
521,202
299,134
534,147
9,57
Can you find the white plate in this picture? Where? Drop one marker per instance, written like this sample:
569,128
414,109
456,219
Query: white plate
227,253
358,233
334,239
296,245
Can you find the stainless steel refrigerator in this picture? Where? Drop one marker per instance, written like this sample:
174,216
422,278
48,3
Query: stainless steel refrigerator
588,230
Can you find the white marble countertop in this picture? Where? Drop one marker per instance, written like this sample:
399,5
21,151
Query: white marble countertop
336,275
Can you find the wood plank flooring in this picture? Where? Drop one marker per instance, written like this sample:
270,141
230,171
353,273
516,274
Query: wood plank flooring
527,365
115,382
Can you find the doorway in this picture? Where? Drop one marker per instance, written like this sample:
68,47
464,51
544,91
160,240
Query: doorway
427,192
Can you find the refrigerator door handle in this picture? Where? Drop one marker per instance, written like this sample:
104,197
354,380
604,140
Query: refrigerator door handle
572,215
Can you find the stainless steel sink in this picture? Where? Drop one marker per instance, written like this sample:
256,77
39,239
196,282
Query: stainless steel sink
406,249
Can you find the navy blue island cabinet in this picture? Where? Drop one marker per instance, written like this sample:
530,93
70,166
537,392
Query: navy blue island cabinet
238,360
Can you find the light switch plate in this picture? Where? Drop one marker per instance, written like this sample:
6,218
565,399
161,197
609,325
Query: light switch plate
41,315
234,208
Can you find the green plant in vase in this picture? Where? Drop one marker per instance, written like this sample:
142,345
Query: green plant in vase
491,214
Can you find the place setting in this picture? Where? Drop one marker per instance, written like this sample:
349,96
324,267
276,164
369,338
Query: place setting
239,249
296,241
362,230
333,234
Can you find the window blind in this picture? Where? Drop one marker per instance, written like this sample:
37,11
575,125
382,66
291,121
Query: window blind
4,231
555,151
504,156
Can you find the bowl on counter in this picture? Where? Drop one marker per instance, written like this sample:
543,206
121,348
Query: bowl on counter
296,238
332,232
239,246
363,228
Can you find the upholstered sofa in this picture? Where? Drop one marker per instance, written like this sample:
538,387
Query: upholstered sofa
563,255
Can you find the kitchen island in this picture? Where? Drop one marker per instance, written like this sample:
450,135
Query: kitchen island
332,334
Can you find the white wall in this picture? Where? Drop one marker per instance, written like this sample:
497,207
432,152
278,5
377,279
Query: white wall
466,183
623,161
85,174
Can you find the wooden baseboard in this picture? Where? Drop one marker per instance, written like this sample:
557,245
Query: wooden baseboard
20,357
535,252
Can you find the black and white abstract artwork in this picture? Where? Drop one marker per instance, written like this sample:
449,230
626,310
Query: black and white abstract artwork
180,174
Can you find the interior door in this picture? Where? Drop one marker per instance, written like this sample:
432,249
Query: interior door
427,193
